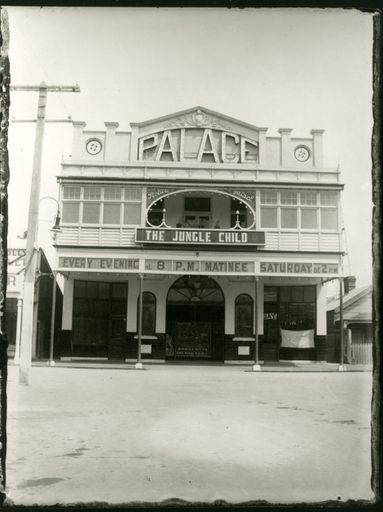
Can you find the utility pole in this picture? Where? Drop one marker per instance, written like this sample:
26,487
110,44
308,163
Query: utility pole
26,341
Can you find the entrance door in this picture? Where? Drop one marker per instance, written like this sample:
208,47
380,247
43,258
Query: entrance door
192,340
271,332
118,298
195,320
99,319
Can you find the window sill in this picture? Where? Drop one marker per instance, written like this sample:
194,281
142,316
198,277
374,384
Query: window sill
146,337
90,225
242,338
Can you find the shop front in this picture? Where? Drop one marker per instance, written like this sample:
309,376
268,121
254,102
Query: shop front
219,311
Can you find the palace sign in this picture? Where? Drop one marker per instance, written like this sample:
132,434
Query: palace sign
199,236
193,144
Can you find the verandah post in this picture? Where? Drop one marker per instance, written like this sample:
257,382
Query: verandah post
341,367
139,365
51,361
256,366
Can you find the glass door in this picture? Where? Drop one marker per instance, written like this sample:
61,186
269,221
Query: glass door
117,327
192,340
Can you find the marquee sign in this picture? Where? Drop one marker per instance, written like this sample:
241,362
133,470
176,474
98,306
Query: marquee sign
190,266
297,268
200,266
199,236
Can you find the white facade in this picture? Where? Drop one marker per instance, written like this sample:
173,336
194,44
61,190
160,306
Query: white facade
197,193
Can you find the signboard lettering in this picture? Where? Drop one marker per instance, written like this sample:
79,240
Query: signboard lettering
270,316
158,192
13,283
154,193
189,266
179,145
298,268
98,263
16,257
200,236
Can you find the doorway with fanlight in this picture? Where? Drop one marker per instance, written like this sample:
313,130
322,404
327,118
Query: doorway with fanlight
195,313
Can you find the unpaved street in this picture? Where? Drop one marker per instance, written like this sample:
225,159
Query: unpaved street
198,433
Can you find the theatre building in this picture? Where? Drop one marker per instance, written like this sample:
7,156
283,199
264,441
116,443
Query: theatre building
195,236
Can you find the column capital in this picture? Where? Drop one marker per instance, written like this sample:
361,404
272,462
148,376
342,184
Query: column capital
285,130
79,124
111,125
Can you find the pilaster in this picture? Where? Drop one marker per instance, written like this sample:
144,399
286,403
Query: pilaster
110,140
77,145
262,146
317,148
285,146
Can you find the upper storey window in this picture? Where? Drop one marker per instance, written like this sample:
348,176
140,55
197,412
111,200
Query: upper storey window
101,205
304,210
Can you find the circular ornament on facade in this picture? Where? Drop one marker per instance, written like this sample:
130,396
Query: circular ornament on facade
93,146
302,153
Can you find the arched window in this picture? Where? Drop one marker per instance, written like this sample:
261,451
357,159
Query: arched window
244,315
148,313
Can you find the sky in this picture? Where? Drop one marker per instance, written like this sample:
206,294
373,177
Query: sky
296,68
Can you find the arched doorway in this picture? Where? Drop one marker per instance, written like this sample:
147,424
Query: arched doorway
195,314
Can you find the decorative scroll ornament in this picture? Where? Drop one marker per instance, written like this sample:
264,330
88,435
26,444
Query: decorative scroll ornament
197,119
153,193
246,195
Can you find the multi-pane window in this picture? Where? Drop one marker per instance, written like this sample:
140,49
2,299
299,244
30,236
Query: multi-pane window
269,197
328,211
269,214
289,197
309,218
297,307
97,307
289,218
101,205
309,198
305,210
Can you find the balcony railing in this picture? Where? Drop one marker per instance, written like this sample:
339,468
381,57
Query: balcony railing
126,237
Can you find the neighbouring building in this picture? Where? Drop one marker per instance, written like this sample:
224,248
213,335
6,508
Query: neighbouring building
204,230
42,304
357,324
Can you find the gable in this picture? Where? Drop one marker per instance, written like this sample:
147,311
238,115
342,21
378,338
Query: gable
358,310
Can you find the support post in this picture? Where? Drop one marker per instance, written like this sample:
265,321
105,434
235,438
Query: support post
51,361
139,365
256,365
341,366
16,359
